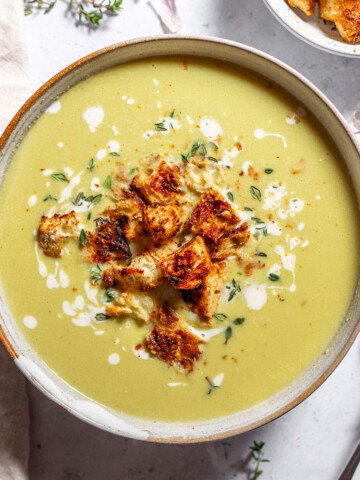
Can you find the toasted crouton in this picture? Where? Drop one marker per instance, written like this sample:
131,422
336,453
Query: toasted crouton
202,174
345,14
159,182
144,274
135,305
164,316
171,341
108,243
307,6
188,265
231,243
163,221
212,217
129,211
204,299
53,231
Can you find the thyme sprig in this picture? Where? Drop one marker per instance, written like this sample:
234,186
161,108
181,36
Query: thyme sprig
212,386
89,12
257,454
234,289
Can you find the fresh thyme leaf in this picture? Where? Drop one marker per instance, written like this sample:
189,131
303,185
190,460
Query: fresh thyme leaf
213,159
107,183
172,114
89,216
61,177
230,196
255,192
110,295
248,209
214,146
268,170
202,150
228,334
96,274
83,237
91,165
239,320
273,277
49,197
100,317
133,170
94,199
160,127
197,146
235,289
211,384
257,220
257,454
220,316
114,154
80,197
260,254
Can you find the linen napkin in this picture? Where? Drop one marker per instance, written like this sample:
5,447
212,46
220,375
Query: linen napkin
14,89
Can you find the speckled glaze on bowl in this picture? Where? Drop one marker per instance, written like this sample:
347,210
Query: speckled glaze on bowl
313,30
57,389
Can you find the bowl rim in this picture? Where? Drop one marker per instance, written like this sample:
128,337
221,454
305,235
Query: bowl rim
342,49
206,39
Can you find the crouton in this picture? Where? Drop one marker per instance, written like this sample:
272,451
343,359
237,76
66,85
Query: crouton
159,182
171,341
345,14
307,6
163,221
135,305
212,217
204,299
144,274
164,316
129,211
108,243
53,231
188,265
231,243
202,174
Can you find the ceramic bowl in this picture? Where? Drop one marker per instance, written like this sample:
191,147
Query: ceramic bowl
57,389
312,30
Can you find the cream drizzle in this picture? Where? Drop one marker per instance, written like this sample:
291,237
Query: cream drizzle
211,128
259,133
54,107
141,353
93,116
255,295
30,322
32,200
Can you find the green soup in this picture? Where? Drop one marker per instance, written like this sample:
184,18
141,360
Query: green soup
281,172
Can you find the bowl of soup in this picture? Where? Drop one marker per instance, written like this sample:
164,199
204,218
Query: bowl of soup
178,238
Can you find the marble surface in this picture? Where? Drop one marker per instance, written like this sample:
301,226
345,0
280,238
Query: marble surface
313,441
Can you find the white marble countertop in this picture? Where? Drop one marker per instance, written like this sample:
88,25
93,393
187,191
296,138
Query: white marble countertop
312,442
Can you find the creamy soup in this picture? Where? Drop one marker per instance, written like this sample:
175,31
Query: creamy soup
280,296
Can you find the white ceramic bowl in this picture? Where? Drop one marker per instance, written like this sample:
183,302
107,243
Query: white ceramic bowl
312,30
57,389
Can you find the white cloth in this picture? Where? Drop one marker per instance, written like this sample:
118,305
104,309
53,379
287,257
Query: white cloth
14,87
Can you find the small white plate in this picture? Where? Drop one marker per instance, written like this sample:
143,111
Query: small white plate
312,30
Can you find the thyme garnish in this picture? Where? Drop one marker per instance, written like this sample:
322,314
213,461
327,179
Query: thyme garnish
268,171
160,127
257,454
260,254
235,289
100,317
230,196
228,334
239,321
80,197
86,11
89,216
107,182
220,316
61,177
133,170
255,192
83,237
114,154
248,209
96,274
211,384
273,277
49,197
91,165
110,295
94,199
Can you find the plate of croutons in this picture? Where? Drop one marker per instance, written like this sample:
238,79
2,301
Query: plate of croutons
331,25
